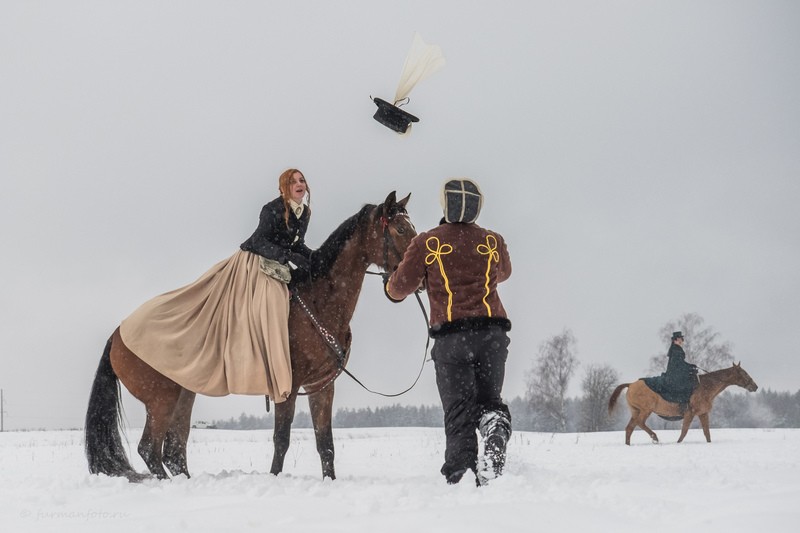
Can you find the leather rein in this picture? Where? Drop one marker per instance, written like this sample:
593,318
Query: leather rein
336,349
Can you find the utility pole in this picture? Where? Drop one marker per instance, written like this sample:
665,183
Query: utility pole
2,410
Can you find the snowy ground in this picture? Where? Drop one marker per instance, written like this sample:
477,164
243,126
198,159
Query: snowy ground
745,480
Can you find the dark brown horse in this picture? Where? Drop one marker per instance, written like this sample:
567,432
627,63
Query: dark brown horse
375,235
642,401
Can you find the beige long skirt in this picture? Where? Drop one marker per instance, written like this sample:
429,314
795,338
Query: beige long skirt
226,333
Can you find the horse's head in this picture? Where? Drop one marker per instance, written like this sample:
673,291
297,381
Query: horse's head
392,233
743,379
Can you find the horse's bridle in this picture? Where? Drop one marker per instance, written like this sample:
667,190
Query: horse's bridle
385,222
338,351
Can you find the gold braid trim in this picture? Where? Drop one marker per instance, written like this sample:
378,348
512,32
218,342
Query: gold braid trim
489,249
437,250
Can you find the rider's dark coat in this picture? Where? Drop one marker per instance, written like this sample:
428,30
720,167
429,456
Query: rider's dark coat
275,240
680,379
681,376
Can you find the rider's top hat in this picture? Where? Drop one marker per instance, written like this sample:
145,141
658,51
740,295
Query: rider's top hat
392,116
677,335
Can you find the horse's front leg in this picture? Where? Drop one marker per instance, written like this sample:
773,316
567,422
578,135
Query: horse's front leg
687,421
321,406
284,415
704,422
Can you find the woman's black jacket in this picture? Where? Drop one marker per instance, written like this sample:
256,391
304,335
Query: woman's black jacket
273,239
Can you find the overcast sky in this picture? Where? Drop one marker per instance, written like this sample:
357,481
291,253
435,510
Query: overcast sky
640,158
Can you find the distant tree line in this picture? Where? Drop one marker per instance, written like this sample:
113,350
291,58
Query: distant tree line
764,409
389,416
546,406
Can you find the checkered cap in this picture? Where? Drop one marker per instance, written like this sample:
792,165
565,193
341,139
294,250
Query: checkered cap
461,200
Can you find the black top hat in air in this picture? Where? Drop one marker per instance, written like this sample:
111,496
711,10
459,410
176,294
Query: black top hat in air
392,116
677,335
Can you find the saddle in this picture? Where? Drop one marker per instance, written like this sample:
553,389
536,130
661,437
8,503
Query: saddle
659,385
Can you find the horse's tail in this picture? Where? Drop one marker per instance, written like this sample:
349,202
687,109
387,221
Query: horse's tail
103,446
614,395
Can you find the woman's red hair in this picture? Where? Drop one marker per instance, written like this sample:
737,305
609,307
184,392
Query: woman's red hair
284,182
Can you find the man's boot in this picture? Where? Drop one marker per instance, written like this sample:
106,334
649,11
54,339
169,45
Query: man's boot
495,430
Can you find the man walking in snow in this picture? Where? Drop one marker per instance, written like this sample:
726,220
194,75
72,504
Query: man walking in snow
460,264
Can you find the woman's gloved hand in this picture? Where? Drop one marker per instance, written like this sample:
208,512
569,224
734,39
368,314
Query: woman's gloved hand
297,261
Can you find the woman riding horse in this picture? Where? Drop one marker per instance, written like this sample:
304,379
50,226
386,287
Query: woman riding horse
375,235
679,381
228,333
643,400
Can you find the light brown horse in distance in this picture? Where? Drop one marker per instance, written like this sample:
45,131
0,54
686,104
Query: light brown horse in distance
377,234
642,401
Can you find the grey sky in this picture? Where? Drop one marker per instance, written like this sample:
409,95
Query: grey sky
640,158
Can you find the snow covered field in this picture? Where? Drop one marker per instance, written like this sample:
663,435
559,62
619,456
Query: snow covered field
746,480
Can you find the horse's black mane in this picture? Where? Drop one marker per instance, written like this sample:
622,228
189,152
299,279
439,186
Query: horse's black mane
323,258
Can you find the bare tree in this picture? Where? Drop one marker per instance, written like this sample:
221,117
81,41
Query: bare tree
701,344
549,379
598,384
